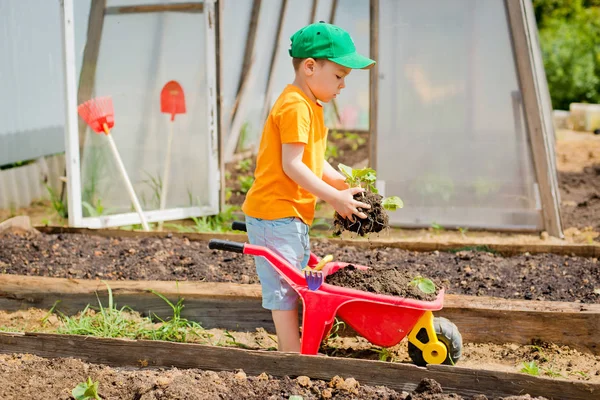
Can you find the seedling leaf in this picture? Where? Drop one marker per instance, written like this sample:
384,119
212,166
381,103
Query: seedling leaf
346,170
86,390
392,203
425,285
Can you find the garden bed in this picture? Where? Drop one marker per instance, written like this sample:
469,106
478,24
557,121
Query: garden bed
544,277
342,373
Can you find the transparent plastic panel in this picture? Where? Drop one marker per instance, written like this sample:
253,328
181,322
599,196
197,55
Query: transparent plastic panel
235,21
250,112
452,141
31,84
139,54
353,102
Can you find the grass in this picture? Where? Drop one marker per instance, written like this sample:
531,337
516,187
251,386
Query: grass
113,322
484,248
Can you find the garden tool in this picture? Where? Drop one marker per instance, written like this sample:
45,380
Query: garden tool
172,101
99,114
314,276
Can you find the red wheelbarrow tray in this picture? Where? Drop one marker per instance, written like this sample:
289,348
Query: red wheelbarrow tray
381,319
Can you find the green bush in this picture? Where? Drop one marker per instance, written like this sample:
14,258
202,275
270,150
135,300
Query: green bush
570,40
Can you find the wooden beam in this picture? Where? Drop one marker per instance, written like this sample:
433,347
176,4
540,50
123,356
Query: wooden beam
313,12
153,8
332,12
524,46
250,39
266,105
238,307
236,124
507,249
401,377
87,77
220,117
373,82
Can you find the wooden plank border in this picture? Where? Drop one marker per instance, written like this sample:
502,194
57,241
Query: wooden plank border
123,352
238,307
507,249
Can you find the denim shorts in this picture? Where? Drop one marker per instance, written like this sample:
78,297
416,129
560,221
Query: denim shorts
288,237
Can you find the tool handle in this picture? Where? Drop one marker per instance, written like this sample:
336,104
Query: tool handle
238,226
226,245
123,171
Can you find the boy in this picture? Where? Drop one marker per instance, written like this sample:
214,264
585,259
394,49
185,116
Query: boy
291,171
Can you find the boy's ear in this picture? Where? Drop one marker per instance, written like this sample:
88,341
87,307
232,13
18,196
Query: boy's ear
309,66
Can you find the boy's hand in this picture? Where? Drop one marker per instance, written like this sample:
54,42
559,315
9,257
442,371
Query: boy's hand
347,206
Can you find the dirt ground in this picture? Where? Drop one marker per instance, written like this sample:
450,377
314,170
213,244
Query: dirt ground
533,277
55,378
553,361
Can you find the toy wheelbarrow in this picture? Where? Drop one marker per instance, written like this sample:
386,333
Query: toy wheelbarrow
381,319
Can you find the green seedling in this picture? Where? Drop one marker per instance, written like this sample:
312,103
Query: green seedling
245,183
87,390
530,368
244,165
425,285
552,373
233,341
384,354
175,329
366,178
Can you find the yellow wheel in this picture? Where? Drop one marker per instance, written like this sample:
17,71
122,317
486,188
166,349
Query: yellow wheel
447,349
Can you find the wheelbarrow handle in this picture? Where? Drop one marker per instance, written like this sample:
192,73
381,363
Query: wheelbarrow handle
226,245
238,226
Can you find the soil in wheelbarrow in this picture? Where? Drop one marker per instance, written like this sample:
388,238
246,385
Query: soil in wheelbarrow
377,218
25,376
391,281
463,271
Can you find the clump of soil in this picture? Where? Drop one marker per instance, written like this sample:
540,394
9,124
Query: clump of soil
377,218
385,280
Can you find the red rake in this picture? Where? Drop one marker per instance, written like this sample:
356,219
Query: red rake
100,116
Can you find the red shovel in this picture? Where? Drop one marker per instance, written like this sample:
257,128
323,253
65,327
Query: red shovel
172,101
99,114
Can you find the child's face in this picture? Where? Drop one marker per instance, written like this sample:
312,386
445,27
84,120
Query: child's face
325,79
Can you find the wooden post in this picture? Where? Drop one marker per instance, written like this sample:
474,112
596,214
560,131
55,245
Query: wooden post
274,54
87,78
220,119
150,8
373,82
313,11
524,46
248,53
334,5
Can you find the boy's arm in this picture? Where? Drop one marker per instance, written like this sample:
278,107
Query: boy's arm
341,200
333,177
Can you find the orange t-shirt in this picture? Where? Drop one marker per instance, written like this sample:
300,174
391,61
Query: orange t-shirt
294,118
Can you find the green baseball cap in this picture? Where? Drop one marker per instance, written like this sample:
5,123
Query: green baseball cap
330,42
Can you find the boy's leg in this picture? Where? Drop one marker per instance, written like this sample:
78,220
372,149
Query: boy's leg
288,237
288,331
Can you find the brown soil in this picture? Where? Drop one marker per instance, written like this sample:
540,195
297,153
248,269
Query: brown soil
580,197
533,277
387,280
56,378
553,361
377,219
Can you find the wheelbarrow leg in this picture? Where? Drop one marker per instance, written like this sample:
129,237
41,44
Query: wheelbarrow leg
319,313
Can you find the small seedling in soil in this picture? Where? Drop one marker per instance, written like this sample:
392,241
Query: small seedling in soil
377,218
531,368
425,285
86,390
